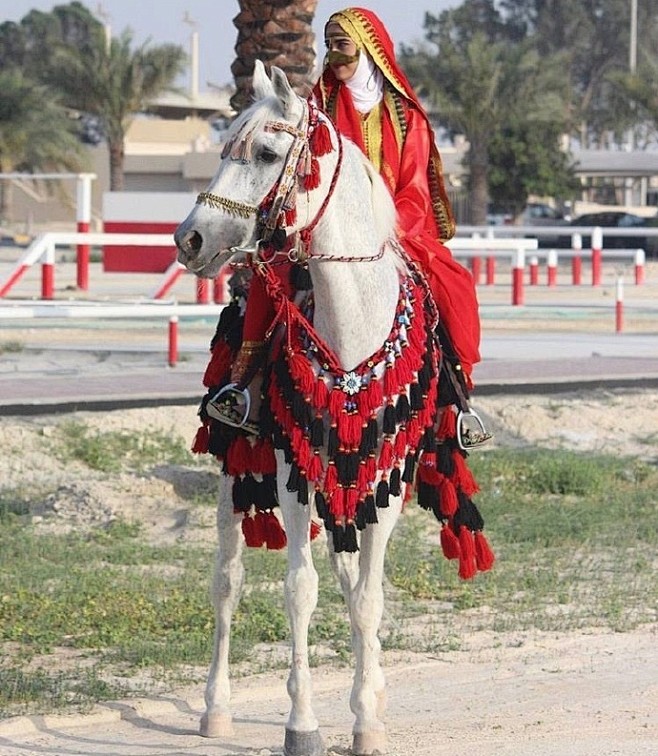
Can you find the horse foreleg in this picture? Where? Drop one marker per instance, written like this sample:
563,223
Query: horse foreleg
229,572
301,596
368,698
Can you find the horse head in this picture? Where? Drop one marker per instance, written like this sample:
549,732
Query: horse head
251,198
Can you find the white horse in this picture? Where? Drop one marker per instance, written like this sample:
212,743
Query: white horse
348,216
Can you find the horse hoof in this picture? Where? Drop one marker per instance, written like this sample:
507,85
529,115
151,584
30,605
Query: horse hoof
303,744
369,743
216,726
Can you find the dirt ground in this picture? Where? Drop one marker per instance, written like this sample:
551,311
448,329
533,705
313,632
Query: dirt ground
521,694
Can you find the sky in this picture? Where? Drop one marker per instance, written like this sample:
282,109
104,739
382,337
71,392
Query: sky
163,22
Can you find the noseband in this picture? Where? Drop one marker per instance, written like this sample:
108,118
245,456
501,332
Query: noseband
280,202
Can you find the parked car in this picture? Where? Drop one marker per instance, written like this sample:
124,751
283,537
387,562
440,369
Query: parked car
621,220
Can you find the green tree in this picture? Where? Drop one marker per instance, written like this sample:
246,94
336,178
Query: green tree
37,134
67,51
483,79
115,82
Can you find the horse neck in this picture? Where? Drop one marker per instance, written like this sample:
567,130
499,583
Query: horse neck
355,302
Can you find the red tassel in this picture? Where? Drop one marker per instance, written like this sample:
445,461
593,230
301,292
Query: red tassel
448,425
447,497
252,531
331,478
391,385
267,458
449,543
463,477
371,468
238,456
349,429
467,563
351,500
386,455
201,440
316,529
375,395
301,372
275,535
400,446
219,365
362,477
320,393
320,141
336,403
315,469
290,216
484,556
312,179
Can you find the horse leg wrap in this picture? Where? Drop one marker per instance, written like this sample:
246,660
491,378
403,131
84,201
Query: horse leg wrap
303,744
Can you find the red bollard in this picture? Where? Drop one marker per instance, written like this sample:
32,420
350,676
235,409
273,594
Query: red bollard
597,248
517,277
491,270
48,274
83,212
173,341
551,268
476,267
639,266
619,305
202,291
534,271
576,260
220,293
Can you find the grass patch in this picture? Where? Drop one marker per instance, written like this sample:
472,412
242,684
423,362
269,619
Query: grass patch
112,451
574,536
11,347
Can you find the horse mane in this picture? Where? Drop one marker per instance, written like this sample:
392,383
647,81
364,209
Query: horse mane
383,206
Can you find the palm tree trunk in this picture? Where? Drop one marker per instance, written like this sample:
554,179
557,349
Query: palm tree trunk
280,33
116,149
478,163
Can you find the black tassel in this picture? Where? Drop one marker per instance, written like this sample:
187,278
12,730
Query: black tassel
467,514
444,461
427,496
267,493
409,468
300,278
370,510
250,489
293,479
240,503
402,409
360,517
332,443
329,522
338,534
316,435
394,482
381,494
428,442
302,491
389,420
368,438
301,411
321,505
279,238
349,539
424,376
352,467
416,397
342,468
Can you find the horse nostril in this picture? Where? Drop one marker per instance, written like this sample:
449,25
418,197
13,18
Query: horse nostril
190,242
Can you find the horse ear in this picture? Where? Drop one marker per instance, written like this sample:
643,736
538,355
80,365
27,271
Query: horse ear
261,83
283,90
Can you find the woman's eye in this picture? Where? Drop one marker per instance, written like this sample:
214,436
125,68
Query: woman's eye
267,156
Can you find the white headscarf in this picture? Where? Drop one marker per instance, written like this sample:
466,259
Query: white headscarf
366,85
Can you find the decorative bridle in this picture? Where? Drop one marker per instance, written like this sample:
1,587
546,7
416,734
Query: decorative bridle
311,139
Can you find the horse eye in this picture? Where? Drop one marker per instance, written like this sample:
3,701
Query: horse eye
268,156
